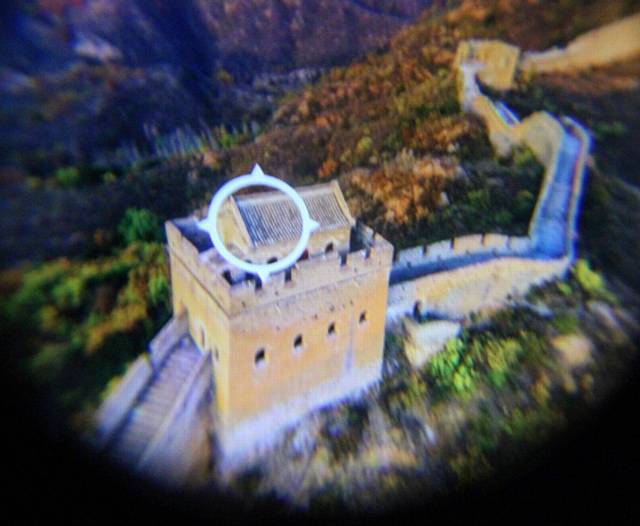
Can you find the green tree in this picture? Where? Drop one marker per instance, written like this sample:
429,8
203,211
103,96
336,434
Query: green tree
453,368
140,224
67,177
591,281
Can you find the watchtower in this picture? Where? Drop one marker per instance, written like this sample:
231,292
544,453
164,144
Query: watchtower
311,335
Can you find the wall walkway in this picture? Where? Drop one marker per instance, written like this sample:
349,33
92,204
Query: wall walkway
619,40
453,278
158,420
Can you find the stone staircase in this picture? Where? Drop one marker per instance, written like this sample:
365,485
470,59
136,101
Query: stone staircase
154,403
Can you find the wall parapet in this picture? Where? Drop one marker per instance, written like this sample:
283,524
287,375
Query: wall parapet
498,245
619,40
578,184
184,405
181,247
168,336
371,252
455,293
311,274
117,406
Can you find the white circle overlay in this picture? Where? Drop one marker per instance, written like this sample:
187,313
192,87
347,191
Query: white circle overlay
257,178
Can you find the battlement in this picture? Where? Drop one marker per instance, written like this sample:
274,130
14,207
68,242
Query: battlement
451,249
236,291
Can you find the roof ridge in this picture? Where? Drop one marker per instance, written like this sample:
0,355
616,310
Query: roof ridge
277,195
271,217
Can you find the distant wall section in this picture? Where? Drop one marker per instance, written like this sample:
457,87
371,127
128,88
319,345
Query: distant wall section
613,42
453,278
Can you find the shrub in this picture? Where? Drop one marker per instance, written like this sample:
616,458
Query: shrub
364,146
68,176
589,280
413,394
525,201
227,140
109,177
524,157
531,426
159,290
140,224
452,369
73,327
605,130
565,288
328,168
566,323
224,77
501,357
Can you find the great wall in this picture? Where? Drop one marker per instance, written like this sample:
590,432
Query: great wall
158,419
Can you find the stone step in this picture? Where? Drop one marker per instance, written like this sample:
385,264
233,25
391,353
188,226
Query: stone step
142,425
134,436
153,406
179,364
156,402
173,371
187,355
147,422
133,440
170,377
132,449
163,393
150,426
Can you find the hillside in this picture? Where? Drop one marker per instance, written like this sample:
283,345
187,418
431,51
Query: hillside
414,167
81,79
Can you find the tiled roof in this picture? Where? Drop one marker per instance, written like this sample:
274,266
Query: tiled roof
272,217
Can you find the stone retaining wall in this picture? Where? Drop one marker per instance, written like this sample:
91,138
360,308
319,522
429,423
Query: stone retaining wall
456,293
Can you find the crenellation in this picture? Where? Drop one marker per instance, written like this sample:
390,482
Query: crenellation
495,241
467,244
439,250
309,274
410,255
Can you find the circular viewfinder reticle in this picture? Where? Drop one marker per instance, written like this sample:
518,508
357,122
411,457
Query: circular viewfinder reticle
257,178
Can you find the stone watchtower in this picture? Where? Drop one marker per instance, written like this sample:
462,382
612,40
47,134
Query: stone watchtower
309,336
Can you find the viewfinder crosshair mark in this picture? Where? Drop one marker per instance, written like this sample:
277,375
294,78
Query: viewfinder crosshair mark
257,178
